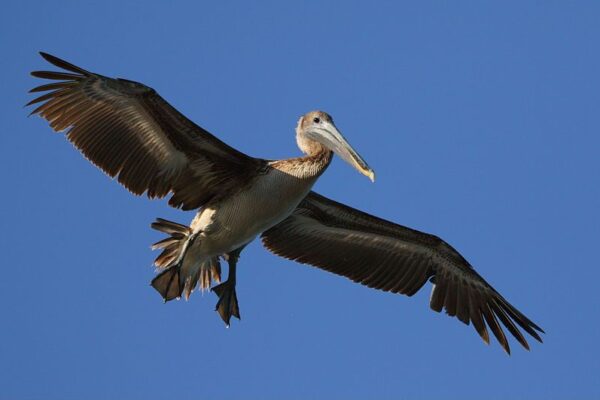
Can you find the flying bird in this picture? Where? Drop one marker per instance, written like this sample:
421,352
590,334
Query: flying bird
130,132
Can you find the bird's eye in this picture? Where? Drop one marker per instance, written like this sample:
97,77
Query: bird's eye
316,120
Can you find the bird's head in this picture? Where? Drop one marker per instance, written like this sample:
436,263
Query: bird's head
316,130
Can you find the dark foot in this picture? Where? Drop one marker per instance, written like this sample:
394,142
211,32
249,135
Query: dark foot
227,305
167,283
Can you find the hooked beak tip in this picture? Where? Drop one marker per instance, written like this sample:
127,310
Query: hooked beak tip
371,175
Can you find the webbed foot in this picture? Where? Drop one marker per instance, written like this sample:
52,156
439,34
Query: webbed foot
167,283
227,306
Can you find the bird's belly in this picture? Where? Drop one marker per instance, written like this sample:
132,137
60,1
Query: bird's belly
236,221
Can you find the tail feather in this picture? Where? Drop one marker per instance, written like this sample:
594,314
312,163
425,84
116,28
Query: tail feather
167,242
201,275
210,271
168,257
173,245
190,284
170,282
170,227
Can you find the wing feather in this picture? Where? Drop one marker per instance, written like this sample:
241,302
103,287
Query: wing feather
131,133
394,258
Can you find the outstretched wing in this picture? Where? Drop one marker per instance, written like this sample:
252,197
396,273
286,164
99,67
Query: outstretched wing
391,257
130,132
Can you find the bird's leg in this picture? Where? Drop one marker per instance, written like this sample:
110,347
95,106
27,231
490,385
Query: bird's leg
227,305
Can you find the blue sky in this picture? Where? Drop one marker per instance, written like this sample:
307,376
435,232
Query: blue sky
481,121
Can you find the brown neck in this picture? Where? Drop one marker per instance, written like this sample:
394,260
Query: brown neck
307,167
317,163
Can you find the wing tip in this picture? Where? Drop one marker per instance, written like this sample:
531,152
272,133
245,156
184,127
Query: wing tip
62,63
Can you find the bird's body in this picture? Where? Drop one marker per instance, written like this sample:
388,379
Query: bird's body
233,222
131,133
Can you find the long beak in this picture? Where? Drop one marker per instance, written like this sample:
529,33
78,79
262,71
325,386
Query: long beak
333,140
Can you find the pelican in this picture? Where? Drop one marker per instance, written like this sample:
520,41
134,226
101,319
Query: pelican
126,129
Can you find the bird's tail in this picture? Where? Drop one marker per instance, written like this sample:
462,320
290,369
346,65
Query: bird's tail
172,246
169,282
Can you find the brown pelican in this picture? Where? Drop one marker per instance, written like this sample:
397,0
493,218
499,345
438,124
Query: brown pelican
131,133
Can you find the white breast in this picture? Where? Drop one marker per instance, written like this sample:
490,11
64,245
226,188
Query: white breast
238,220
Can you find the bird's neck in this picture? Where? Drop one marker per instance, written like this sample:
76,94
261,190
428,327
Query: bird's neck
307,167
315,164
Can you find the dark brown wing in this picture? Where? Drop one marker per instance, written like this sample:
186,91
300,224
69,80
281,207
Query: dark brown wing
130,132
391,257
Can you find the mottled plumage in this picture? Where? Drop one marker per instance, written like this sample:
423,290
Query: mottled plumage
132,134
